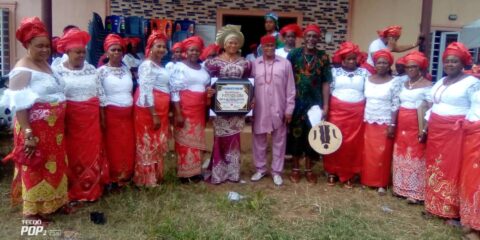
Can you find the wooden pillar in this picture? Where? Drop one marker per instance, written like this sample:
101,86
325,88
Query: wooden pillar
47,15
425,25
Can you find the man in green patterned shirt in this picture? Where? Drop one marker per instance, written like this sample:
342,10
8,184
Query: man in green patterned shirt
311,68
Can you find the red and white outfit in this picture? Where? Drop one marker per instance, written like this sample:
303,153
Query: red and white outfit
347,106
119,134
188,87
151,144
409,155
42,183
444,146
470,173
88,169
381,101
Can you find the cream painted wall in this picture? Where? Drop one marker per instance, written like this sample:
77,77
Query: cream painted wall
371,15
25,8
466,10
76,12
64,12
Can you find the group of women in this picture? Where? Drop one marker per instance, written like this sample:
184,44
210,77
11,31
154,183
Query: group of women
79,129
435,162
110,134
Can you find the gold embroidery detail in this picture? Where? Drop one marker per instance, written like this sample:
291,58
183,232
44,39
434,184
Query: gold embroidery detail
51,165
44,198
59,139
51,119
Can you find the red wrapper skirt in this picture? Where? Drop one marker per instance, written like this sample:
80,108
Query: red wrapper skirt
347,160
377,158
443,161
190,140
119,142
408,157
151,144
470,177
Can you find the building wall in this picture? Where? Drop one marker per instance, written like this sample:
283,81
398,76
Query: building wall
64,12
76,12
466,10
330,15
368,16
26,8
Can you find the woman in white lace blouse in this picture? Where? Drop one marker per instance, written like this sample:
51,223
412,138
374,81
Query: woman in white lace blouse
347,106
188,84
36,96
152,101
409,148
117,83
82,119
382,95
451,102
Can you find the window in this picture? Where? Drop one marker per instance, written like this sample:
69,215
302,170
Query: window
4,42
440,40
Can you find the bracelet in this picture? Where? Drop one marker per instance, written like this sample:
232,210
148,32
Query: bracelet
28,130
392,125
424,131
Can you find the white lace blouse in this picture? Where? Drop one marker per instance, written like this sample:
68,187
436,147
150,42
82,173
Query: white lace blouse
117,84
412,98
452,99
186,78
474,94
382,100
151,76
349,86
80,85
41,87
131,61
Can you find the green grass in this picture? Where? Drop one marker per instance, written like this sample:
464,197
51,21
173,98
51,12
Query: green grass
202,211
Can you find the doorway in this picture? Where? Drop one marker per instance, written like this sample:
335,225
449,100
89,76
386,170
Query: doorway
252,22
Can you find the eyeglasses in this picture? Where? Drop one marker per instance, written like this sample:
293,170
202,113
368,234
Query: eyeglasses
115,50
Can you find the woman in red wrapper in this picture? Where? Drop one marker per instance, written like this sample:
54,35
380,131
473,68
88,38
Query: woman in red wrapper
152,100
445,134
382,95
347,105
409,148
117,83
86,163
470,174
36,96
188,84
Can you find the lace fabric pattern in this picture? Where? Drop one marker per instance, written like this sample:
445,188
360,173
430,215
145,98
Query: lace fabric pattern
382,100
474,96
349,86
117,84
185,78
412,98
41,87
151,76
80,85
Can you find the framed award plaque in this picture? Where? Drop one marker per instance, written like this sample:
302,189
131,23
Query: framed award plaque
232,96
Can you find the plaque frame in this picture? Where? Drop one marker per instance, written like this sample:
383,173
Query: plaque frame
221,82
